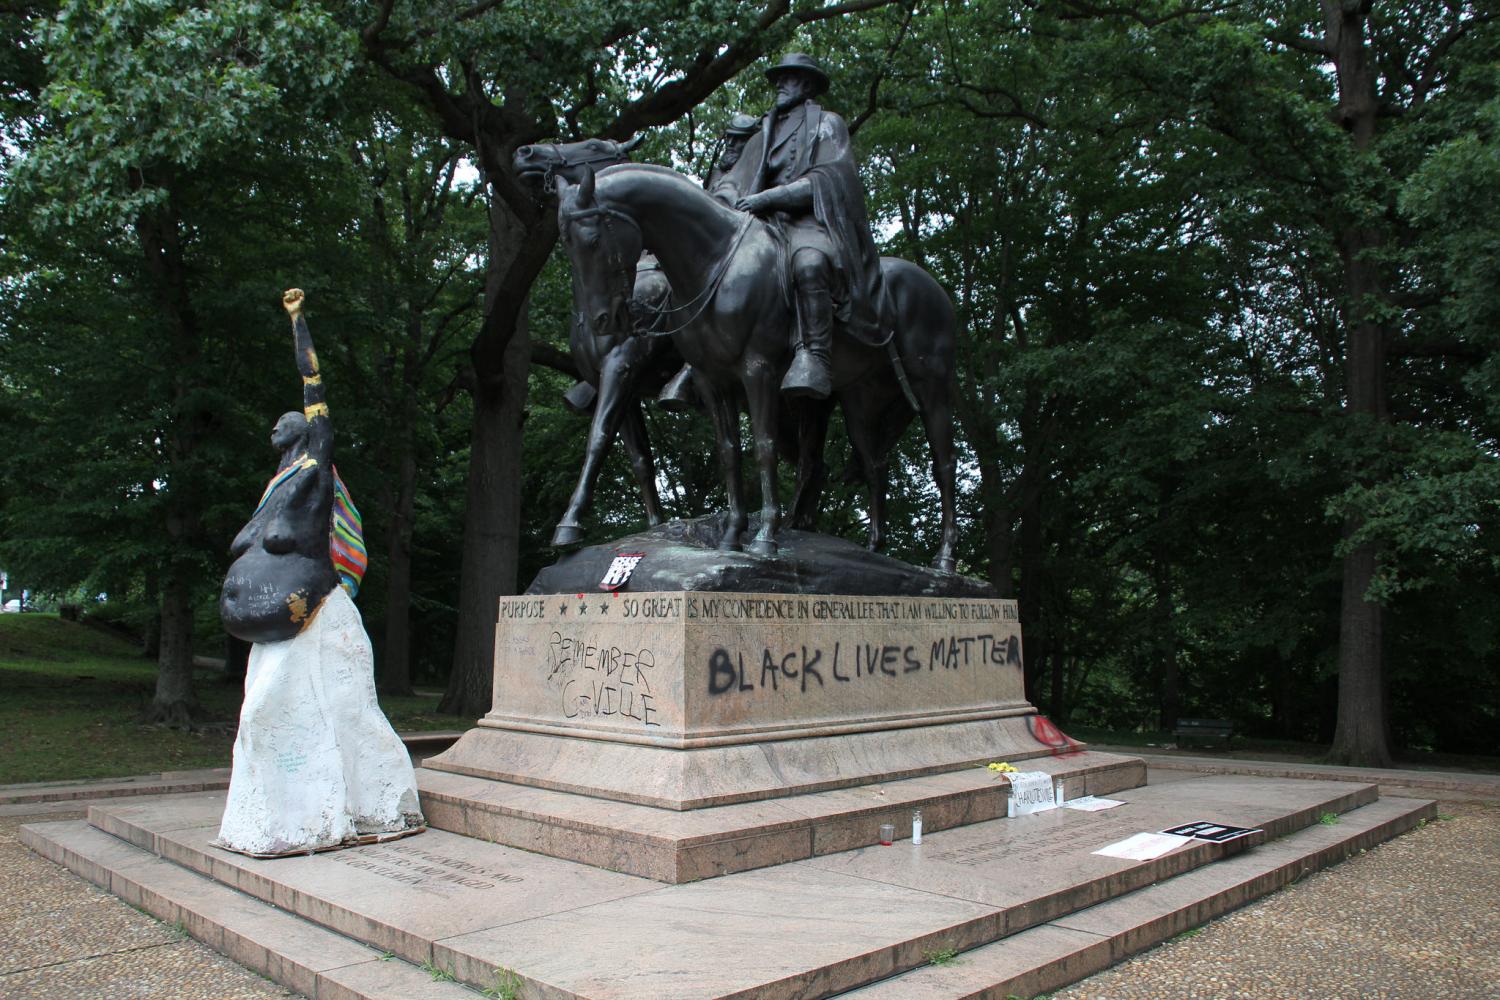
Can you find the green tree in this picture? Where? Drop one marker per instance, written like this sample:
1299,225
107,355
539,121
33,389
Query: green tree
148,110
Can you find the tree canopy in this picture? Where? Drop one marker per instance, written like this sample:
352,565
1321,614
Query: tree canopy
1228,279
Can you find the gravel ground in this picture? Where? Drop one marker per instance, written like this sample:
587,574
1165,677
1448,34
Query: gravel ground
1418,917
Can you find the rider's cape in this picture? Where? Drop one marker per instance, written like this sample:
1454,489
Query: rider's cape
827,160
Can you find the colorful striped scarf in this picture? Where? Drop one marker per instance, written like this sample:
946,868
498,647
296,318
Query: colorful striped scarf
346,538
346,535
298,464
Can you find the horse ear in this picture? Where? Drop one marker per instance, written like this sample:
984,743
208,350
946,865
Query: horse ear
586,188
632,142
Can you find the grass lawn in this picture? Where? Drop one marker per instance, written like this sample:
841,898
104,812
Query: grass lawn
70,697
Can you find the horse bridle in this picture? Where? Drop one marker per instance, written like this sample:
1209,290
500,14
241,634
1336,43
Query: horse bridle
615,262
626,268
550,172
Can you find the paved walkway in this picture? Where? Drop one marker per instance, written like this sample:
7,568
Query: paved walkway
63,939
1414,918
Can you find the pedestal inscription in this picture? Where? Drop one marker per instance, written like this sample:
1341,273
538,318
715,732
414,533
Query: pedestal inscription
695,669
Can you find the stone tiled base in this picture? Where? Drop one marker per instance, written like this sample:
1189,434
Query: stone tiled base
697,777
281,946
672,846
864,919
1052,955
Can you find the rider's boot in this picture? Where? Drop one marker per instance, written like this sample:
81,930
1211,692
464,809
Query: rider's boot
678,395
580,398
809,374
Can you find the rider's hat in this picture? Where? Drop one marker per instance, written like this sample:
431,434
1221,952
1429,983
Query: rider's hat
742,124
803,63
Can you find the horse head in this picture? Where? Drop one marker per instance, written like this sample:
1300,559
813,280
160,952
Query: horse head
603,244
543,164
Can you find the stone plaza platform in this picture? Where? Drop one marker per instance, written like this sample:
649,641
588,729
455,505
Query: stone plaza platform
680,795
1024,902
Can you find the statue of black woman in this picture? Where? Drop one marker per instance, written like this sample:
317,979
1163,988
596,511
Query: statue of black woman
316,763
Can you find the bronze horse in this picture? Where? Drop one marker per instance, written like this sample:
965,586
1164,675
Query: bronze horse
733,325
617,369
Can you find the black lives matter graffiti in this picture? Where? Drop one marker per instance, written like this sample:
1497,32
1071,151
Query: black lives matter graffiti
974,642
840,662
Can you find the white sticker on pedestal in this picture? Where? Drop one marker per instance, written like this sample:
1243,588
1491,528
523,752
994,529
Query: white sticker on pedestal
619,571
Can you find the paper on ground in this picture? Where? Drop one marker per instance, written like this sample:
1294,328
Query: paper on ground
1091,803
1143,846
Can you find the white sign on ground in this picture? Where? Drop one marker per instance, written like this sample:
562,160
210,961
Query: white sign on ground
1091,803
1143,846
1030,792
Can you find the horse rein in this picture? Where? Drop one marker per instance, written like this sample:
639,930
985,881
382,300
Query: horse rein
626,270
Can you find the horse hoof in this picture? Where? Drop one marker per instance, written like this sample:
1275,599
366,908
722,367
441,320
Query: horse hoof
567,534
763,547
731,545
944,565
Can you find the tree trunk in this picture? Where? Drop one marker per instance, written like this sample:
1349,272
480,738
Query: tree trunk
174,702
1360,736
395,665
501,357
492,528
1057,705
1170,696
998,530
1034,639
236,660
159,231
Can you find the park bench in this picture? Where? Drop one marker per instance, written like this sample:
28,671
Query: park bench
1211,730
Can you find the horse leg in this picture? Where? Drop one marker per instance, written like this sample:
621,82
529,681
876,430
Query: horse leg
862,424
762,394
721,405
617,377
812,471
937,420
638,450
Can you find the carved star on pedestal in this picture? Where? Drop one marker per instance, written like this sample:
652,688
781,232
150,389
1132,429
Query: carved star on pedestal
583,608
562,609
604,607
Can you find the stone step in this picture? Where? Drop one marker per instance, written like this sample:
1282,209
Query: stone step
805,929
1052,955
420,745
671,845
316,962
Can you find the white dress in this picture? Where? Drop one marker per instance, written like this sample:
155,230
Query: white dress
316,763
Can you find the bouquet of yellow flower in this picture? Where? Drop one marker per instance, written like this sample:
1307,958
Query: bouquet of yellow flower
1001,767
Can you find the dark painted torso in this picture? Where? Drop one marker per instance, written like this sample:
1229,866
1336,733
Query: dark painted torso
281,571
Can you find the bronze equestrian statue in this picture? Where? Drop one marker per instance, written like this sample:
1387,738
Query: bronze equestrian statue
733,325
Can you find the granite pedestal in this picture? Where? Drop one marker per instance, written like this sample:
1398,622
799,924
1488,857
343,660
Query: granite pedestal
683,735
